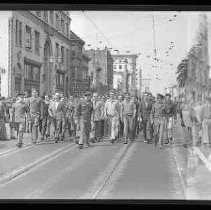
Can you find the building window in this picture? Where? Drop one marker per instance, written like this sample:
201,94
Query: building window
57,22
45,15
38,13
120,66
62,25
62,54
18,31
73,52
51,17
37,42
28,38
32,72
57,50
114,66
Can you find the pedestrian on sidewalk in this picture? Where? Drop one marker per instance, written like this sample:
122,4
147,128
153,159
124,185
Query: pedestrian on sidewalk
128,114
19,110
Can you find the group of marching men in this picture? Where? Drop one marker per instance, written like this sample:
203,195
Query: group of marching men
93,117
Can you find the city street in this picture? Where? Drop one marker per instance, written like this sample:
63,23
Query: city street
104,170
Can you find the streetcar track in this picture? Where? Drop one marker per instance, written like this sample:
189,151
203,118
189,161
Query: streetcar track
15,174
55,179
103,179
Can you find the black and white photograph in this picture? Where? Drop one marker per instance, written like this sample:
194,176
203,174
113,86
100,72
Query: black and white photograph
100,104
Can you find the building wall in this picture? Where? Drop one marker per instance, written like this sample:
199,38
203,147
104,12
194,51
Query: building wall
5,17
124,63
101,66
22,57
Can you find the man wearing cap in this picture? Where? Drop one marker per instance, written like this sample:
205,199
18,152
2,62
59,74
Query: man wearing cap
145,110
112,114
128,115
34,103
170,113
57,110
83,114
158,119
19,110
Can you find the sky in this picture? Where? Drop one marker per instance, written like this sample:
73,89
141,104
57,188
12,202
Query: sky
133,31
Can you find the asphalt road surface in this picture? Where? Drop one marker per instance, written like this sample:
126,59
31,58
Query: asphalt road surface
102,171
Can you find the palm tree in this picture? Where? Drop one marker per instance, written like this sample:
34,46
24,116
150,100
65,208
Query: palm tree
182,71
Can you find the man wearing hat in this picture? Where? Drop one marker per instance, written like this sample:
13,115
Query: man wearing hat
170,113
19,110
83,114
145,110
158,119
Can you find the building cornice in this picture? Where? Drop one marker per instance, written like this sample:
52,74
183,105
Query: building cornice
44,25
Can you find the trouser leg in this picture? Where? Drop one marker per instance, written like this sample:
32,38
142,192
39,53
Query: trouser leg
130,127
44,126
161,131
126,127
82,132
20,133
63,128
144,121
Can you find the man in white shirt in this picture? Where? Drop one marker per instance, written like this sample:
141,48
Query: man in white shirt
112,114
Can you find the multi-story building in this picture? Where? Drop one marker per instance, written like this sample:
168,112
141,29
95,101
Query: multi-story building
100,69
125,73
38,51
79,79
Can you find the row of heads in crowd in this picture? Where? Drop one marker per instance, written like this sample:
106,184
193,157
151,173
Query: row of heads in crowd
112,94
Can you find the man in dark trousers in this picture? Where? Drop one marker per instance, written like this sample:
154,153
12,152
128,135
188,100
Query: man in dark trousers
145,110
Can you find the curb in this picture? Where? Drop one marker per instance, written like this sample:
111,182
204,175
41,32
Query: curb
28,167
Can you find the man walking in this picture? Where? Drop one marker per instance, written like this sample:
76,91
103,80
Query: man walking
158,119
96,117
128,115
44,117
57,110
170,114
34,103
19,110
83,115
145,110
112,114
